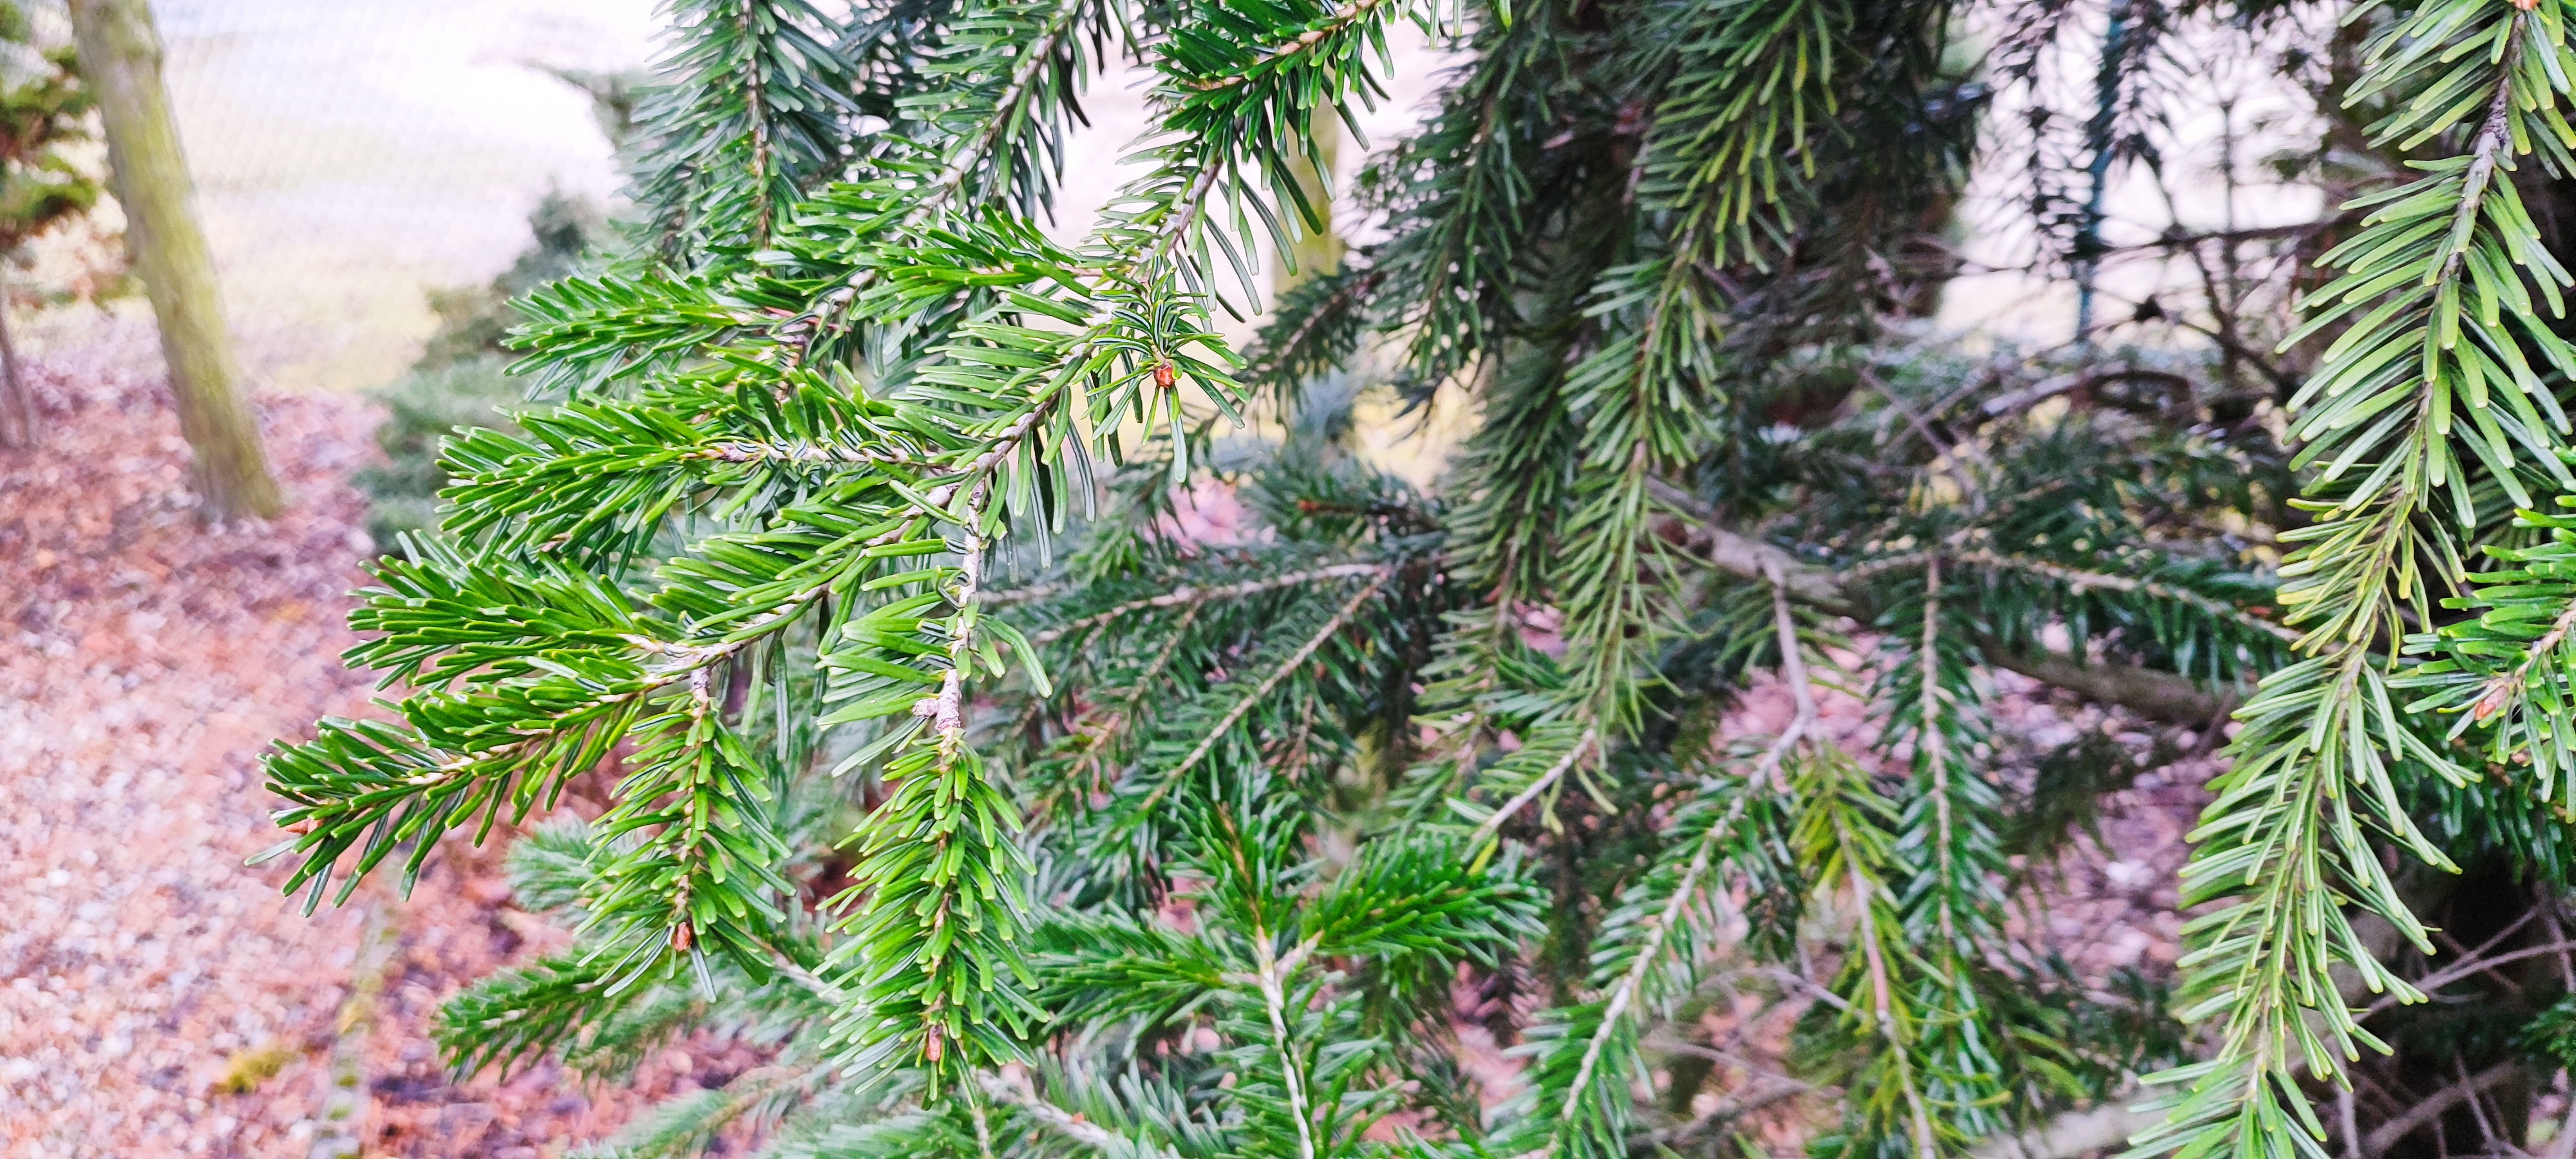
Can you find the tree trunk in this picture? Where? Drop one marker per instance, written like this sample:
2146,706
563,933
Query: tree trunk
120,58
17,409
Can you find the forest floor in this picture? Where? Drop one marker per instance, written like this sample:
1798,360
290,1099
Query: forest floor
159,998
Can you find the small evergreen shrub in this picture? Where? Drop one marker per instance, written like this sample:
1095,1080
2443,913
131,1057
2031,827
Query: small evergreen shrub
462,378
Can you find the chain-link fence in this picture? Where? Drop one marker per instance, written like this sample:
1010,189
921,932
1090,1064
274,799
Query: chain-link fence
351,155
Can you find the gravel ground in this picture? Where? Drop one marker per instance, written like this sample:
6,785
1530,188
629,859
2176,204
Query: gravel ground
157,998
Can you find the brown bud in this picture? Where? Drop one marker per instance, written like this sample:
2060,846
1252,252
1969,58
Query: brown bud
1163,375
2499,695
680,935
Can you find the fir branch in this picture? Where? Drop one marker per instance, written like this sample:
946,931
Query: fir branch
1881,1005
1462,198
1171,778
1272,59
857,378
2081,579
1056,1118
2158,694
526,725
1620,1018
1842,835
936,923
735,451
1640,416
1538,786
2505,672
1269,973
1932,740
727,150
1949,907
1045,61
1316,325
1653,944
2424,284
1187,596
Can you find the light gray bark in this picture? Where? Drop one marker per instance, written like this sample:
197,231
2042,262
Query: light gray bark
120,60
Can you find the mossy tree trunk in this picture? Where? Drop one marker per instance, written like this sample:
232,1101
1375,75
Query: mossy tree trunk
17,407
120,58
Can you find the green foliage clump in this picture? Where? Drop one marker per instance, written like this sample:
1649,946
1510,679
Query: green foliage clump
44,184
421,409
462,378
474,322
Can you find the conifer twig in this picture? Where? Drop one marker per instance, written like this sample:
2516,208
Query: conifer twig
1765,775
1493,824
1332,627
1186,595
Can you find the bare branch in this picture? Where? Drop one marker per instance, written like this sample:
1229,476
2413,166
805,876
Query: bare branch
1771,1089
2463,969
2012,401
2422,1114
2072,1134
2079,578
2162,695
